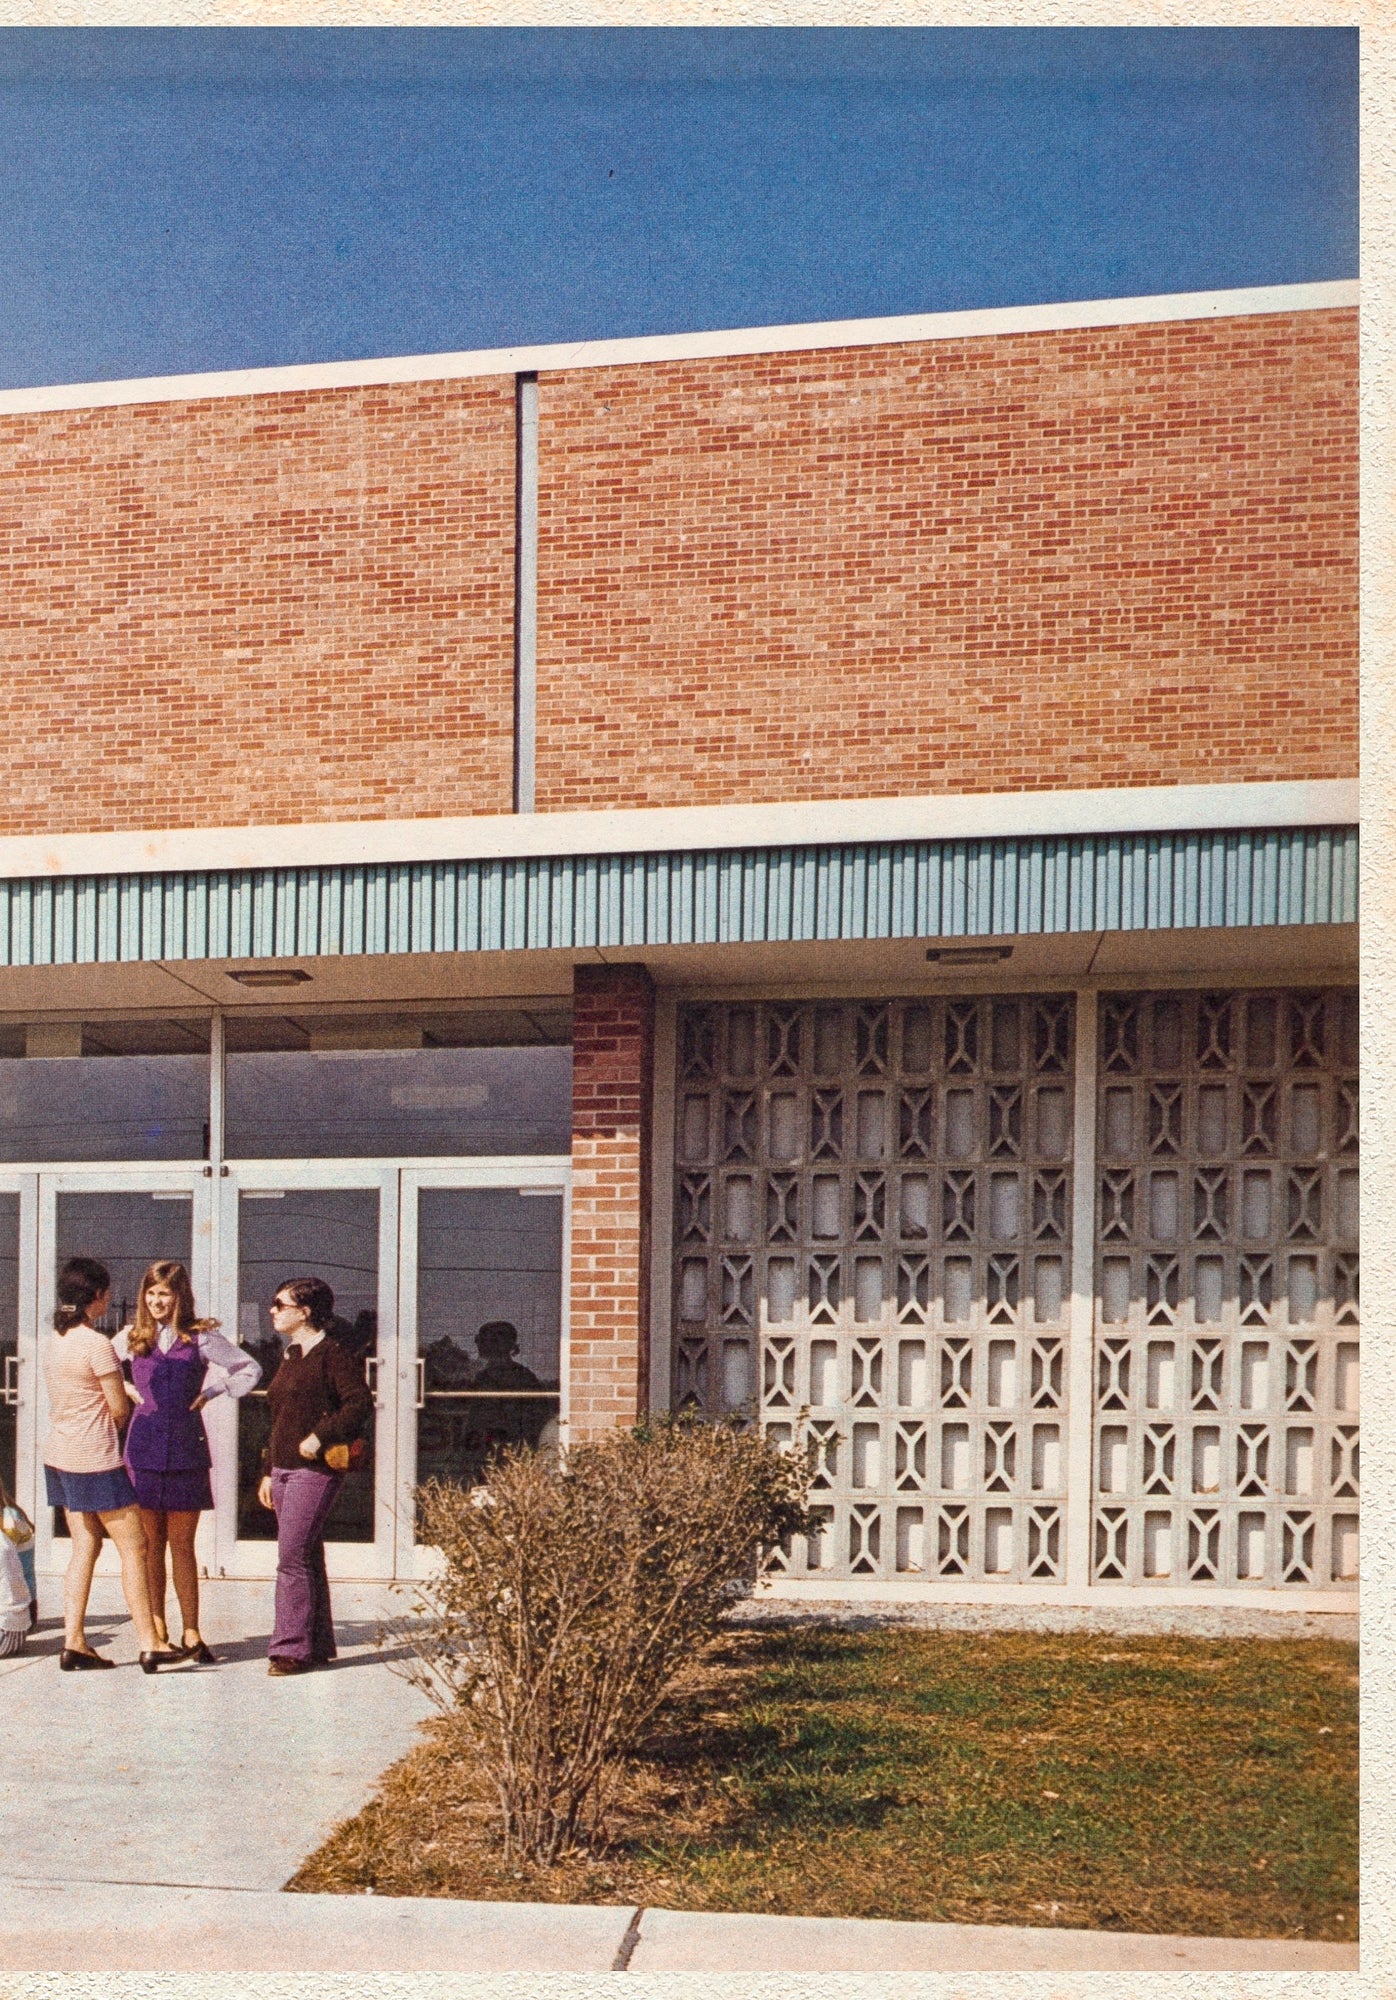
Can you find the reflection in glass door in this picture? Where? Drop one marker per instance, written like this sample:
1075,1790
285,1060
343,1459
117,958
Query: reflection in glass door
331,1231
126,1228
486,1308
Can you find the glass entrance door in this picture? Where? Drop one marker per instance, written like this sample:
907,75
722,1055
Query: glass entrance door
482,1319
338,1222
127,1220
448,1289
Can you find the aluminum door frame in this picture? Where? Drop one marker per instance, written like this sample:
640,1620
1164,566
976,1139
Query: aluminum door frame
20,1389
50,1553
346,1561
543,1172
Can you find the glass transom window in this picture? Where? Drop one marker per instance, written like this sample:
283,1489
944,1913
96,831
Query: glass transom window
314,1088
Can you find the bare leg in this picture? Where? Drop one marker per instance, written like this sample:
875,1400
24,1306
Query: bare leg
182,1530
86,1532
153,1527
123,1524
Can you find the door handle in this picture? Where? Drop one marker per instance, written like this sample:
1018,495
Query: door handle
421,1402
9,1394
371,1377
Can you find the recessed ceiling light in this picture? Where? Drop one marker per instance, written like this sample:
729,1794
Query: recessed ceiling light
975,954
271,975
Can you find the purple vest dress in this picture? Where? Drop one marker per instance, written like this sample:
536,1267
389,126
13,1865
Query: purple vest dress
167,1451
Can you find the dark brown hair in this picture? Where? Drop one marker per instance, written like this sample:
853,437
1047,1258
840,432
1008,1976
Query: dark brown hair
80,1283
314,1297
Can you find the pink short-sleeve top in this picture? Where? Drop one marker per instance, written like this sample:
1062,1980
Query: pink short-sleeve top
81,1434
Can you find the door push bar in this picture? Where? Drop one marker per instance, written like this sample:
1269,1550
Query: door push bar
9,1394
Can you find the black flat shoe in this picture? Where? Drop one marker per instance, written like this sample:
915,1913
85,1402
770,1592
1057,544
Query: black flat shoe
199,1654
151,1662
72,1661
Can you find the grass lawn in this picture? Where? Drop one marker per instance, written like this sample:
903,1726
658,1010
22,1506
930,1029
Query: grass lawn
1149,1784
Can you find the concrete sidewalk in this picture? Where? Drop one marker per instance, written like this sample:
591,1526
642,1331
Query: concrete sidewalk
60,1927
205,1776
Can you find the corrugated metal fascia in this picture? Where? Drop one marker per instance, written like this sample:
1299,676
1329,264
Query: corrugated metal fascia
954,888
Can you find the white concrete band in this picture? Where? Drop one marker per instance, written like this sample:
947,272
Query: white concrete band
562,355
670,829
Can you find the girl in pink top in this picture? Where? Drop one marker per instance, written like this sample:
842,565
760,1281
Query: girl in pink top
82,1462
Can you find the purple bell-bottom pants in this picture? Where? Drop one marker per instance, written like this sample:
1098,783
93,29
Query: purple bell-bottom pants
302,1499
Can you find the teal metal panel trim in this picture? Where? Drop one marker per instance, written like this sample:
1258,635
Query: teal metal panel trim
930,889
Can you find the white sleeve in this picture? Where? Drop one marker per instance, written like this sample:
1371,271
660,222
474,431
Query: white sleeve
237,1370
121,1351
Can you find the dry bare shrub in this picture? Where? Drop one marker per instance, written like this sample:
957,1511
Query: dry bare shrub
574,1591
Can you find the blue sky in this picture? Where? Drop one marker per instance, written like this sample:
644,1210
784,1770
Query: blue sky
178,199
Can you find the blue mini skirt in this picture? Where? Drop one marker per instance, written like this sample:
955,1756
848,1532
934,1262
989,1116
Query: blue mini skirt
90,1492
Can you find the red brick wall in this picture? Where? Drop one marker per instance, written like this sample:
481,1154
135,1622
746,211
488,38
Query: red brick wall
1116,557
612,1064
293,607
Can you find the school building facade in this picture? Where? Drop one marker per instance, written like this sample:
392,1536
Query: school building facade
806,873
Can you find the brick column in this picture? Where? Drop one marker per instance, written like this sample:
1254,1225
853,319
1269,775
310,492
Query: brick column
612,1066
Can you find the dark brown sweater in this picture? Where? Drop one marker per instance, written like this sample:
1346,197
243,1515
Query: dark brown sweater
324,1392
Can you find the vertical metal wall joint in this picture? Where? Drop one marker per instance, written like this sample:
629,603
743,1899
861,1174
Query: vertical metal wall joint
217,1055
525,590
1081,1340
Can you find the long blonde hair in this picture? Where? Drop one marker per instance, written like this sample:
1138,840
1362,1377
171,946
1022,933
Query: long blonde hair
144,1332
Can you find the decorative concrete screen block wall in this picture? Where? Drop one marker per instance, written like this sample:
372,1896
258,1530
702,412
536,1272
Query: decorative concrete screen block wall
874,1225
872,1239
1226,1252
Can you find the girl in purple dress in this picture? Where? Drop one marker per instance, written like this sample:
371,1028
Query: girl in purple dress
178,1363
